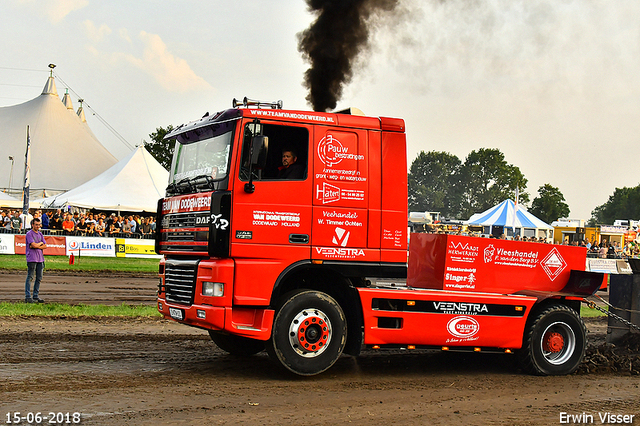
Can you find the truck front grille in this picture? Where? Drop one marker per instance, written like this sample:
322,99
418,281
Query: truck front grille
180,281
186,220
185,232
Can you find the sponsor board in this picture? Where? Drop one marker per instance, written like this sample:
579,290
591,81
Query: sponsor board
349,218
339,227
328,193
331,151
461,278
463,329
492,265
131,247
341,253
461,308
553,264
395,236
623,267
293,115
610,229
82,246
7,244
340,160
187,203
276,218
91,246
512,256
464,251
606,266
55,245
454,307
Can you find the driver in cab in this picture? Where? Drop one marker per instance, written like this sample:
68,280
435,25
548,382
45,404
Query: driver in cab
290,169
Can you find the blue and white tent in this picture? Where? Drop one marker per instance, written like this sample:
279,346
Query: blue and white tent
507,216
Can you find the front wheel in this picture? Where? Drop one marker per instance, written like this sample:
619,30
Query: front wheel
554,342
236,345
309,332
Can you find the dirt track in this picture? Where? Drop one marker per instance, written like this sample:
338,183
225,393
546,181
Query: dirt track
74,288
149,372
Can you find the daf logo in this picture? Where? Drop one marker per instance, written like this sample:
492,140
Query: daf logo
202,220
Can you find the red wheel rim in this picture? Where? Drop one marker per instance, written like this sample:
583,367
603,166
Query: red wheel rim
313,333
310,332
553,342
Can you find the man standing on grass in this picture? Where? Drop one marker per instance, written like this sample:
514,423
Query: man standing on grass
35,261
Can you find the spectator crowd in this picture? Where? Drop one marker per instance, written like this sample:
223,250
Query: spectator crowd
614,250
57,222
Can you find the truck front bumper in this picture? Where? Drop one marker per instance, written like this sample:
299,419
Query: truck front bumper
211,310
254,323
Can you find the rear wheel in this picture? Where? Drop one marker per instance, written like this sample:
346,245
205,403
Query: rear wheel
309,332
554,342
236,345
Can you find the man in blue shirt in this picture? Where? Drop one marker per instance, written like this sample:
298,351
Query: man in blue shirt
35,245
45,219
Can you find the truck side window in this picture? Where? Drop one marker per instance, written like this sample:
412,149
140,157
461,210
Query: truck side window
285,144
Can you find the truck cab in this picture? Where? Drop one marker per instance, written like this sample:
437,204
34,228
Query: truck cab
236,234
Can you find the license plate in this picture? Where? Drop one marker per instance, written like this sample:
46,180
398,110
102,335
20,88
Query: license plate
176,313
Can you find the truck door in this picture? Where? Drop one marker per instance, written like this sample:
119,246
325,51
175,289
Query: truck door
271,227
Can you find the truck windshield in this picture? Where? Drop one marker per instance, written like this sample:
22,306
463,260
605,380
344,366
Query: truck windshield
198,164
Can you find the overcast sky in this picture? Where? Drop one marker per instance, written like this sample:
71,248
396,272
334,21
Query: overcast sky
553,84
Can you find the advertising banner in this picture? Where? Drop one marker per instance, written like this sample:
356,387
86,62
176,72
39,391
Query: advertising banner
453,262
91,246
7,244
606,266
187,203
131,247
55,245
623,267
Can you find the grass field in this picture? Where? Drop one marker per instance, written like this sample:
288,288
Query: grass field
59,309
61,263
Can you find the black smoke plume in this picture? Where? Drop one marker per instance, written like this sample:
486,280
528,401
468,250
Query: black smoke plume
333,42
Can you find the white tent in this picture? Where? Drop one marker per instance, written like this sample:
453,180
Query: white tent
136,183
7,200
508,217
64,151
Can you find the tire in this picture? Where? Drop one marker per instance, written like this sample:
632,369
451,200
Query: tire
554,342
309,332
236,345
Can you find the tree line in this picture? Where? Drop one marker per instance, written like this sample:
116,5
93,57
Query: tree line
441,182
624,203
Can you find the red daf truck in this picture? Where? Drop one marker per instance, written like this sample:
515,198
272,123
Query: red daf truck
314,264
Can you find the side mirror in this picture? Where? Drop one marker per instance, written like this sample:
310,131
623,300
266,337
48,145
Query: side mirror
259,149
258,153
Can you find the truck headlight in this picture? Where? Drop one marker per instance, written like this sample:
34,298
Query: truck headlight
212,289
